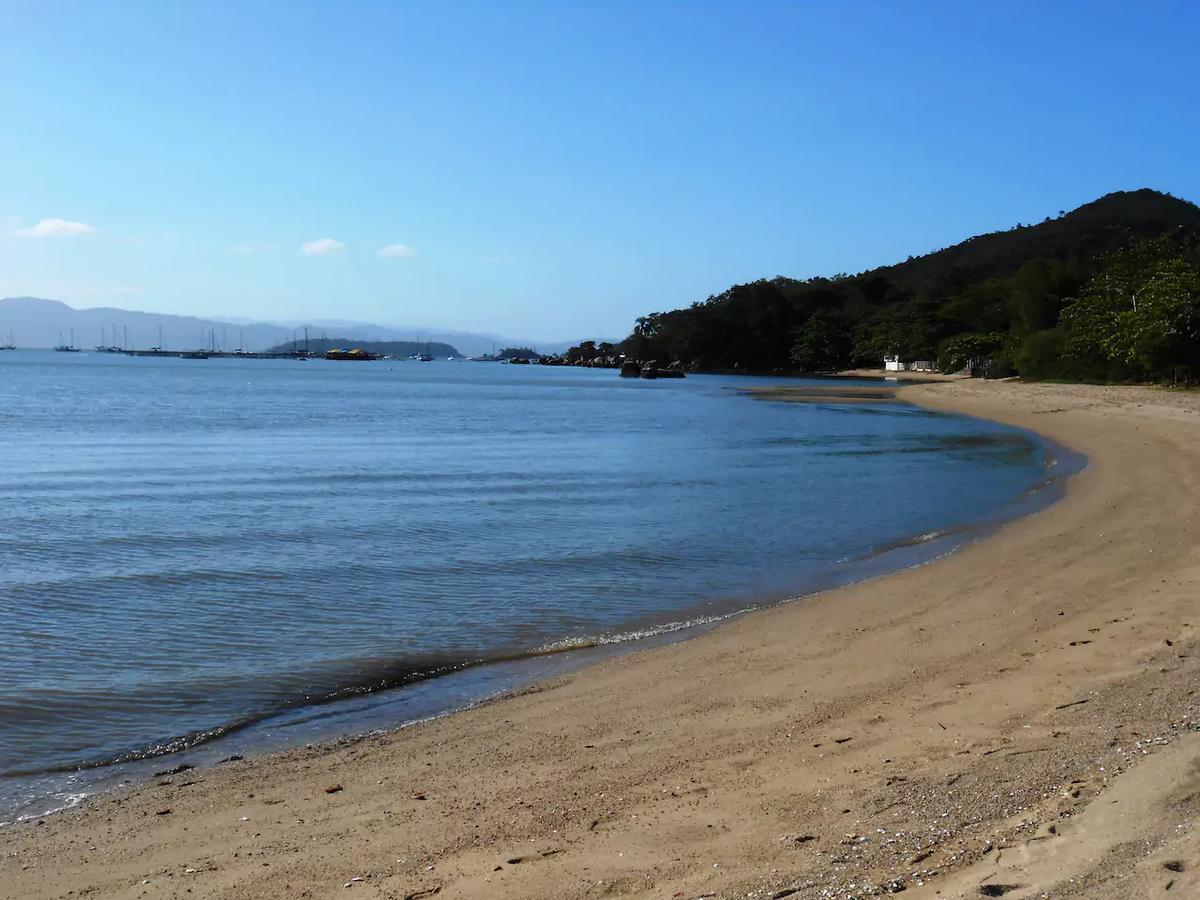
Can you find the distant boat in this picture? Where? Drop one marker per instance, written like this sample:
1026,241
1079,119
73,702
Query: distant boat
357,354
108,348
67,348
11,345
426,356
193,354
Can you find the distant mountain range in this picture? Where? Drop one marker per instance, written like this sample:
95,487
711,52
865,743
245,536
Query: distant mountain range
37,322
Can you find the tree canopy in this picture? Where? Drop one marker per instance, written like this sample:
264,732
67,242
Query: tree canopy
1108,291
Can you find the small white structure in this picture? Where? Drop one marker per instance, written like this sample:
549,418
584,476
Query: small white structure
893,364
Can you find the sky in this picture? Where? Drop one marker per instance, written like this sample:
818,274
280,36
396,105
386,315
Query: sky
554,170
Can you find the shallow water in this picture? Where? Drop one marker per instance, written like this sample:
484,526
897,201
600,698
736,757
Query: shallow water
191,546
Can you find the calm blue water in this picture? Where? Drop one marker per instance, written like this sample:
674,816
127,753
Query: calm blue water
189,545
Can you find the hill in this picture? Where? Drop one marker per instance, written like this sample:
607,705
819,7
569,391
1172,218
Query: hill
403,349
1099,227
38,322
1010,301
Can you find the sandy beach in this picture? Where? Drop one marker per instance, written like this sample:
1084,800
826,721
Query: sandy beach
1017,719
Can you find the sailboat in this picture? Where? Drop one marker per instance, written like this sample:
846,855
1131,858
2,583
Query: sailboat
202,353
426,356
108,348
67,348
11,345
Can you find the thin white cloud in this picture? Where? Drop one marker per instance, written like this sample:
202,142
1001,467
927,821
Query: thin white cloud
321,247
55,228
402,250
496,258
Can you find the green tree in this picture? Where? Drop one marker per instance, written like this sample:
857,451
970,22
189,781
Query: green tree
1043,355
908,330
823,343
1038,291
960,351
1140,314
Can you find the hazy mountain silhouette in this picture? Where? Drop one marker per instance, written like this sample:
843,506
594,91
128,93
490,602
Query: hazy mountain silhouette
37,322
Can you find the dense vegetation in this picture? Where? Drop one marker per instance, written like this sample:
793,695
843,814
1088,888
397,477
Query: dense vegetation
518,353
1110,291
380,348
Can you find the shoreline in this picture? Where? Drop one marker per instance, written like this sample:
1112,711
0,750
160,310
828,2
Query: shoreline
737,763
366,712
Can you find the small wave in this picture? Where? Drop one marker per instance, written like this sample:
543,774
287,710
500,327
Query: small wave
913,541
388,676
583,642
71,801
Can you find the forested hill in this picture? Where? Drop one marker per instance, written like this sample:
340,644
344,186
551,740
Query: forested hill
1055,299
381,348
1095,228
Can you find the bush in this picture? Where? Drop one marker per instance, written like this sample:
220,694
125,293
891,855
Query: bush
1041,354
958,352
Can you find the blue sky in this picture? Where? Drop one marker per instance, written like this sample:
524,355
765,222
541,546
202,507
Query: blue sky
553,170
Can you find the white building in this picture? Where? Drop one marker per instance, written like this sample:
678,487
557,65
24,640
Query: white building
893,364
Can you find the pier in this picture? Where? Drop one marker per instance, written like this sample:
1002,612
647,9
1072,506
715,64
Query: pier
221,354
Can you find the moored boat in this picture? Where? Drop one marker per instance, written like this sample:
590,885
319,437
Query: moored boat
355,355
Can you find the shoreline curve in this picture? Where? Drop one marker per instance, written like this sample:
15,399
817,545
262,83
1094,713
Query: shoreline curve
873,735
135,763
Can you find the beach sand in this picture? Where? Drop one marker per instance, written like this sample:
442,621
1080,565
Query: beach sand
1017,719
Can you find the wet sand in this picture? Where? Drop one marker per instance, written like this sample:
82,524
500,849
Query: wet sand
825,393
1015,720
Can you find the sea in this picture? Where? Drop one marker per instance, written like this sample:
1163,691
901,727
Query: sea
206,558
